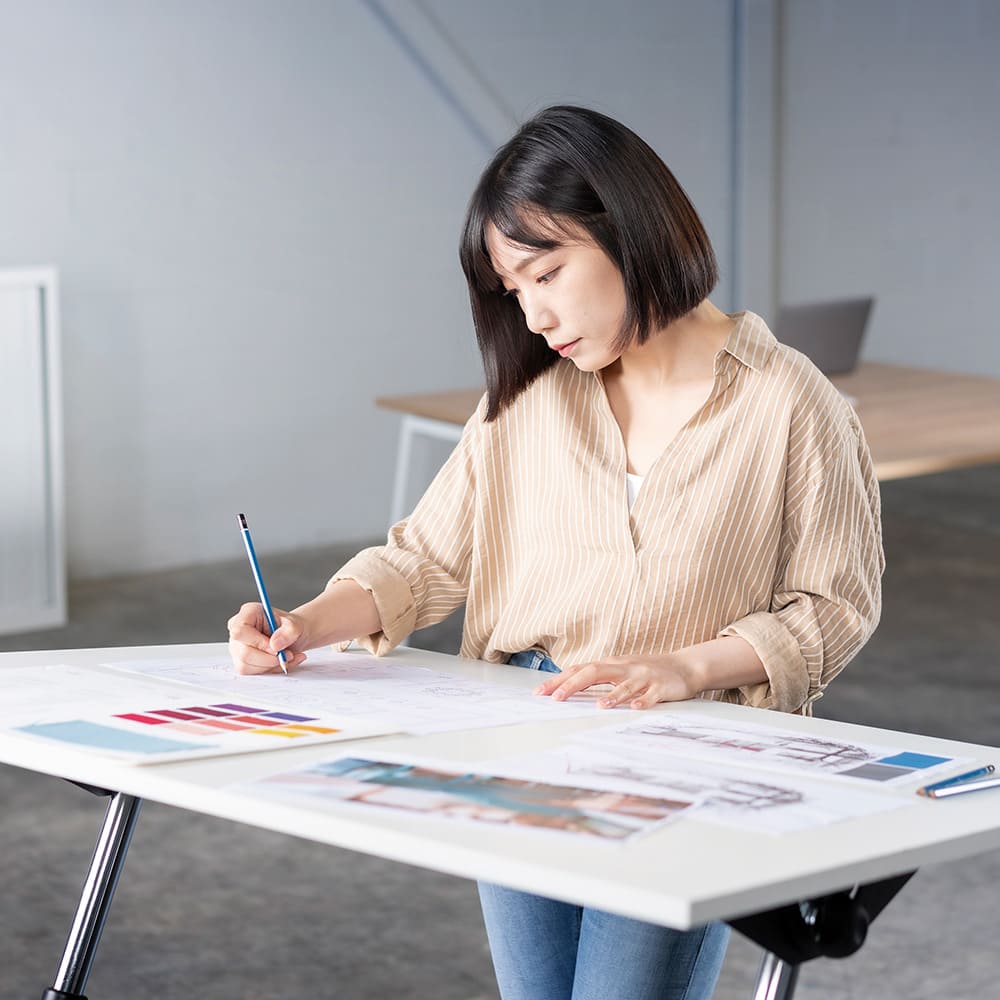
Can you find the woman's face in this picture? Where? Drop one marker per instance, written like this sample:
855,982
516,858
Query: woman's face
572,295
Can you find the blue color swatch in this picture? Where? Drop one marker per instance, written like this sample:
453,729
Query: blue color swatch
92,734
916,760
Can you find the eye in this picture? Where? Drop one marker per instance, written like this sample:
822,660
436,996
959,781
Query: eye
547,277
508,293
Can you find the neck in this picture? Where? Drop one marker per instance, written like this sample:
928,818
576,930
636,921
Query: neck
682,351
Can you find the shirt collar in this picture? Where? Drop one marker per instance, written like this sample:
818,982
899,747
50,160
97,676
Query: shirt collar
751,342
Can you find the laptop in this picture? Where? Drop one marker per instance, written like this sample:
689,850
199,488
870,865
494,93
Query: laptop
828,333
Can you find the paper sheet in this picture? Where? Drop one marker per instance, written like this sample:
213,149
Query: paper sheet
741,744
755,777
744,798
413,699
435,790
146,722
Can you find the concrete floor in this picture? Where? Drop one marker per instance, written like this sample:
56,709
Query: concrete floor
219,911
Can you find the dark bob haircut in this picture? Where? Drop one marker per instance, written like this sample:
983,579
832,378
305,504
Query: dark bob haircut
570,169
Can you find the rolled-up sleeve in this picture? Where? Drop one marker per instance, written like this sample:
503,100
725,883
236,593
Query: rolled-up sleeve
826,600
422,572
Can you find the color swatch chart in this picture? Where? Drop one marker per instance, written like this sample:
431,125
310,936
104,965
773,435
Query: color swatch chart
145,722
213,720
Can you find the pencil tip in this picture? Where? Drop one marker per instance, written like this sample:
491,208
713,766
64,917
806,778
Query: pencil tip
243,521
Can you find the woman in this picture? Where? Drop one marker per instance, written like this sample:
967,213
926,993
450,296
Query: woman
654,495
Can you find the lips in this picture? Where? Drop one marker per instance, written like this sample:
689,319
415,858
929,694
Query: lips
564,349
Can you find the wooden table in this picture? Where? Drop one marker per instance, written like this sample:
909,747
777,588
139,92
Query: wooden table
920,421
917,420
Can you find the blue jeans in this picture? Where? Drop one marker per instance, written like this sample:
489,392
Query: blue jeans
534,660
547,950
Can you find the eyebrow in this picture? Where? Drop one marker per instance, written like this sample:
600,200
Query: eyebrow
529,259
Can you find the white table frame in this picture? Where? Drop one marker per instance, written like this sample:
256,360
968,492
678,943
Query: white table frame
684,875
409,428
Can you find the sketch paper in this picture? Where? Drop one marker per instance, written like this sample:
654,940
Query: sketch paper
147,722
411,699
742,797
436,790
742,744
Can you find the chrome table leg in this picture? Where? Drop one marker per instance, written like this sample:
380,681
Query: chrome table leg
776,979
95,900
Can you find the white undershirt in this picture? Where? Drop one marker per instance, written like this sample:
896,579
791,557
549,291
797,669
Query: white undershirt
633,482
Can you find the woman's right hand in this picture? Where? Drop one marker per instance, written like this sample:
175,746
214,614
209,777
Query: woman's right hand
254,650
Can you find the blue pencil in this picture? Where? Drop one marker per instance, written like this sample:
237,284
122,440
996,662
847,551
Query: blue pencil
958,779
261,589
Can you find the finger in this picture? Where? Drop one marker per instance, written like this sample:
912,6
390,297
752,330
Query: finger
550,683
621,693
252,637
553,681
242,670
583,678
247,660
251,613
286,634
250,659
273,666
669,689
293,660
250,616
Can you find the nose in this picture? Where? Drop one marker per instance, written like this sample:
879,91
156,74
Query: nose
538,314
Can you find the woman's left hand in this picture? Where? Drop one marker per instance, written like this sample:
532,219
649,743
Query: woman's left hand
639,681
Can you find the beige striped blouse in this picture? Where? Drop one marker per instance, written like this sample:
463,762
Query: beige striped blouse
760,519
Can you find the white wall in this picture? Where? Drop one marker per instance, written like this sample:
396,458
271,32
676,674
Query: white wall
254,209
890,163
662,68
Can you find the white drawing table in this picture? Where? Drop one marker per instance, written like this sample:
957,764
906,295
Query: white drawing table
799,895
